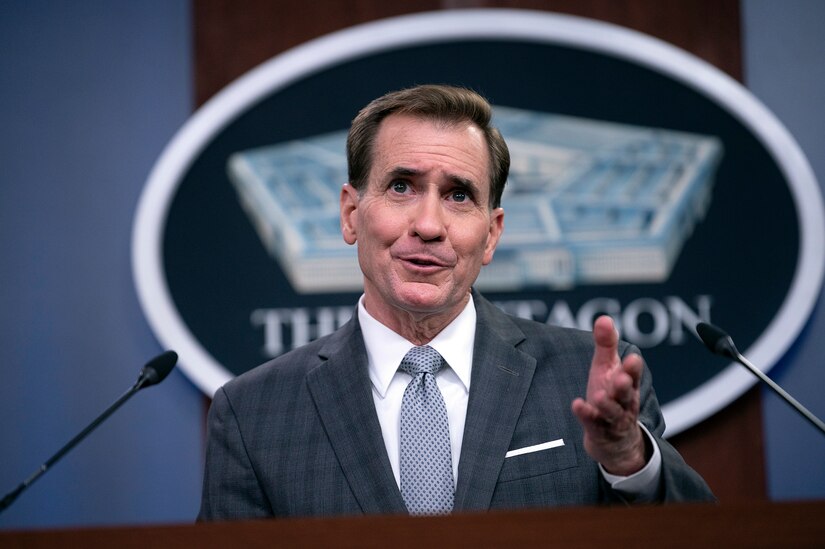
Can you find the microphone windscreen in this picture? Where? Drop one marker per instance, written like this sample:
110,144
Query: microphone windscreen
158,368
710,335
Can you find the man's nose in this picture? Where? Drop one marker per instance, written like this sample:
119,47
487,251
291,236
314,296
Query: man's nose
428,218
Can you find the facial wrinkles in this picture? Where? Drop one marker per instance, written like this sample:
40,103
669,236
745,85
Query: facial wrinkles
431,156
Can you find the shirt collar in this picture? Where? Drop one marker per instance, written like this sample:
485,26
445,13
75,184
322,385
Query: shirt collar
385,348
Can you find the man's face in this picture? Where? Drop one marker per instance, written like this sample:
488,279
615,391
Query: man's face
423,223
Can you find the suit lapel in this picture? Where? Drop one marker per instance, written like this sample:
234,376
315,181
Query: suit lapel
500,380
341,390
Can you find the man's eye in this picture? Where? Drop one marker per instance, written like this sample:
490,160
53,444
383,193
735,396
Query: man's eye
399,186
459,196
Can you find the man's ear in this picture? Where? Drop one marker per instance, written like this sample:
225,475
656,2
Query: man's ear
494,235
349,209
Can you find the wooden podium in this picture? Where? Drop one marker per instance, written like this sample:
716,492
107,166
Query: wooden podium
685,525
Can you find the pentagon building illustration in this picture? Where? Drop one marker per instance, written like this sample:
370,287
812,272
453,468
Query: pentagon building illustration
587,202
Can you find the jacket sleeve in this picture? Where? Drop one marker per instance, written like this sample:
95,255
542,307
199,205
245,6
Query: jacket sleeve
678,482
230,484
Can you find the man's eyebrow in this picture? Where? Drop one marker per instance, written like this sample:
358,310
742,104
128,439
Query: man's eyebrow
402,171
463,182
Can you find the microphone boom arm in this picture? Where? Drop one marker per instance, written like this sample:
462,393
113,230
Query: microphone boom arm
781,392
720,343
154,372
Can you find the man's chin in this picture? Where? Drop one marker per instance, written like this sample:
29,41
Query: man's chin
423,298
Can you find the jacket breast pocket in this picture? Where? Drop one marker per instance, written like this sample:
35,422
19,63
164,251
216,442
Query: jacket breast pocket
537,463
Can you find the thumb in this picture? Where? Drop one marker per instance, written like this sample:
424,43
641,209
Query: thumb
607,341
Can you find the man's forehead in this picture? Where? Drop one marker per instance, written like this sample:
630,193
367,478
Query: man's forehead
407,145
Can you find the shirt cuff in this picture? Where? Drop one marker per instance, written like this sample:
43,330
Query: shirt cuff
643,485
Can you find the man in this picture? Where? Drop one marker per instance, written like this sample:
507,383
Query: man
371,420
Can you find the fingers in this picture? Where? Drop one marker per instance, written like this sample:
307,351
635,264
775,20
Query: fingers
633,365
613,383
609,414
624,389
612,408
586,413
617,399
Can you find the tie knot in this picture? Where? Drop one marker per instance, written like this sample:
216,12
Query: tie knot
422,360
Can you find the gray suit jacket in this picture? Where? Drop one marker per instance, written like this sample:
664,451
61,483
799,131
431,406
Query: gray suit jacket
299,435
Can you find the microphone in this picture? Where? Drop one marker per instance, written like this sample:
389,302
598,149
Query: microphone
720,343
152,373
156,370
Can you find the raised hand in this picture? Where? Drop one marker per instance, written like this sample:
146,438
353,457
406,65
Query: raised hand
610,410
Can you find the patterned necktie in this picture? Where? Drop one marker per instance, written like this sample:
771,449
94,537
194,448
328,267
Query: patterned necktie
426,466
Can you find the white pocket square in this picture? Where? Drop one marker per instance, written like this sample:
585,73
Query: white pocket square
535,448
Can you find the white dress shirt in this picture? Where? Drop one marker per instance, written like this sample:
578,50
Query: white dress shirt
386,349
